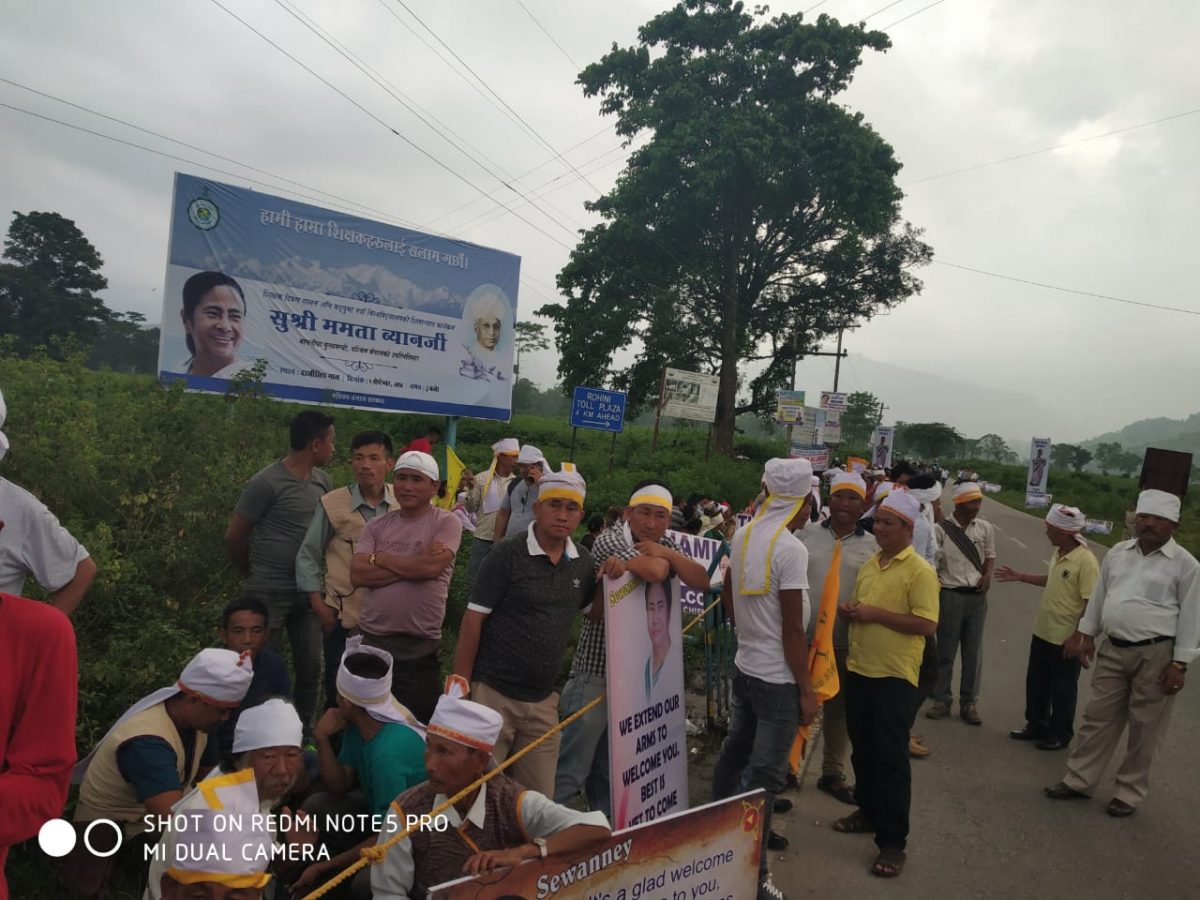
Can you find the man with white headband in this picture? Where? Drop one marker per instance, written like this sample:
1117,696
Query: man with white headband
1051,679
516,509
966,556
518,621
485,496
382,755
32,542
266,754
404,561
1147,603
149,759
847,496
765,596
895,606
499,824
640,542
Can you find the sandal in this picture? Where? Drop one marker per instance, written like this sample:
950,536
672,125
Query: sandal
855,823
836,787
888,863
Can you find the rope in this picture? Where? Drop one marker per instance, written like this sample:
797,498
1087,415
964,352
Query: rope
374,855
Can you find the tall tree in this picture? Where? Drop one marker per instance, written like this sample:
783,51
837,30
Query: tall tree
760,216
1108,456
860,418
993,447
927,440
48,285
530,336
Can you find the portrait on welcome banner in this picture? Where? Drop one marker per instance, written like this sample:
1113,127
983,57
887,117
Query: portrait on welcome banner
708,853
339,310
647,724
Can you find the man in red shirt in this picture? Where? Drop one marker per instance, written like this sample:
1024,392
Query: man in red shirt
425,444
38,690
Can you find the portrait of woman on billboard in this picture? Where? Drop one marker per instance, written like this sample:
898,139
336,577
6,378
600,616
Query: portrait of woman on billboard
214,307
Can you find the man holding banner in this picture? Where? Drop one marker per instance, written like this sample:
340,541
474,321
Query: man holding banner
764,595
642,544
895,606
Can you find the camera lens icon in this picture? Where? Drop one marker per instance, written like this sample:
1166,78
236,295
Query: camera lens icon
101,838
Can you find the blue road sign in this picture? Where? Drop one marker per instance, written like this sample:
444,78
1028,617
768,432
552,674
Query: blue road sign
597,408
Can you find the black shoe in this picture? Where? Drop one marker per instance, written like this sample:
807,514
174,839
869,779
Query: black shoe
776,841
1119,809
793,783
1063,791
1027,734
1051,744
781,805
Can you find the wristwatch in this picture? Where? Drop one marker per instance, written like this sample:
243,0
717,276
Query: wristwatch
541,845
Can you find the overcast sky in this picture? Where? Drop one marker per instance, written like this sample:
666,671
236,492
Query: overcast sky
967,82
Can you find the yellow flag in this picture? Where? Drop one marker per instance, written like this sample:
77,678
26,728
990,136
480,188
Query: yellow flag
454,470
822,667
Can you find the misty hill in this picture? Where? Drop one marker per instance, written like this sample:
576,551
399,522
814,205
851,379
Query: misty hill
1169,434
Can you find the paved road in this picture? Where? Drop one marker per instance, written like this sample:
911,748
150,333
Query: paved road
980,824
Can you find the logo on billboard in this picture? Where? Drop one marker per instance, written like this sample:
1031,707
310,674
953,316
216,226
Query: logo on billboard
203,213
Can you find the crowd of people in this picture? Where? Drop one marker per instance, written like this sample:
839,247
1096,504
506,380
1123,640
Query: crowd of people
361,733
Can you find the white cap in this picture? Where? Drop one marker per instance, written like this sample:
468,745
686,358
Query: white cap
217,676
903,504
507,446
569,485
419,461
788,477
529,455
466,722
273,723
374,694
966,492
849,481
1159,503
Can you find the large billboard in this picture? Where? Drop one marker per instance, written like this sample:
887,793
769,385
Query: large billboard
342,310
1039,465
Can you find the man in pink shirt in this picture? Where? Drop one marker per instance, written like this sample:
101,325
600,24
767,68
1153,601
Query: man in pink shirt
404,561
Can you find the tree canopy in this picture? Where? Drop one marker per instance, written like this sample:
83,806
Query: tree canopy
927,440
760,216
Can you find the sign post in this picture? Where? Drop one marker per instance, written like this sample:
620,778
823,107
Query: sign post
600,410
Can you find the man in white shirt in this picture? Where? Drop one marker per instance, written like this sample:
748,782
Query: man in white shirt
1148,605
764,595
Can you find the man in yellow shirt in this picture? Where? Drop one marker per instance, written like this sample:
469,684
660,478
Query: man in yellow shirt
1051,680
895,607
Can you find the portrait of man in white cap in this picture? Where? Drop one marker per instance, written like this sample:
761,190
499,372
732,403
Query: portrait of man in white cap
267,754
150,758
403,563
488,315
1147,604
498,824
1052,679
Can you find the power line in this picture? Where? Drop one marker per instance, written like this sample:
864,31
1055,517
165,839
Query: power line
1055,287
911,14
542,28
882,9
406,140
1094,137
486,165
815,5
169,139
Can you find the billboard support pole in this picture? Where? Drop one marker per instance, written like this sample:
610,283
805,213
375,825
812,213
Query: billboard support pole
662,383
451,435
708,443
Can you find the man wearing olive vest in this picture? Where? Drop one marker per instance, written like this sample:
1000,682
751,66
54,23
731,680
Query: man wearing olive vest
332,535
148,760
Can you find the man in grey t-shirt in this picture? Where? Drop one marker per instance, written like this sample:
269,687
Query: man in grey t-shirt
264,536
516,509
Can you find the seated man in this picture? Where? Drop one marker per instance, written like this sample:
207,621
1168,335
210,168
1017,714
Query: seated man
266,751
382,755
244,628
217,862
498,825
148,760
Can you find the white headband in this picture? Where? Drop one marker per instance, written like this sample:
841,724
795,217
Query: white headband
654,494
